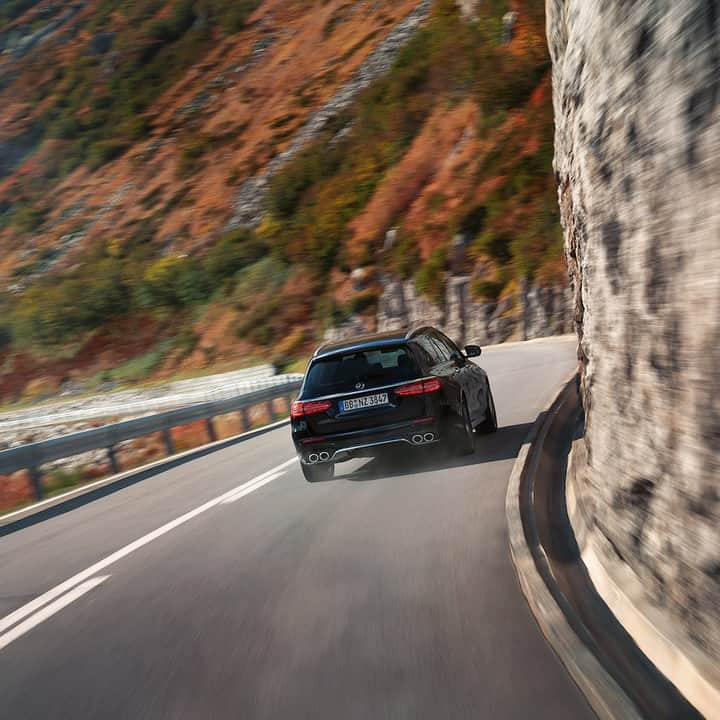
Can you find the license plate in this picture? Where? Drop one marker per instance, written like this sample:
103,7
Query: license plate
361,403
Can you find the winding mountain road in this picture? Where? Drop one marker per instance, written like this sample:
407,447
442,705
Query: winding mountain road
228,587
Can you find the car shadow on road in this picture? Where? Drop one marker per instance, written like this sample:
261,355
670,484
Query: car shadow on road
502,445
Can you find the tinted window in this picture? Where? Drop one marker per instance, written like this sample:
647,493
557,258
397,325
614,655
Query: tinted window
423,352
442,349
429,349
373,368
448,346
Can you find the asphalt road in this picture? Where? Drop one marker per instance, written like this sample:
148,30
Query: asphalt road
386,593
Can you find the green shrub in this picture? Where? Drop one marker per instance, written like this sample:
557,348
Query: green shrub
303,172
365,300
12,9
151,199
173,282
27,219
259,280
404,257
54,309
141,366
486,289
6,336
234,251
192,154
168,30
232,16
104,151
185,342
430,278
61,479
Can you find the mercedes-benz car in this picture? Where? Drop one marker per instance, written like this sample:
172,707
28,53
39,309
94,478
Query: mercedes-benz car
397,389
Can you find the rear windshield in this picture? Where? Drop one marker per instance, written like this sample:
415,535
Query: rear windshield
370,368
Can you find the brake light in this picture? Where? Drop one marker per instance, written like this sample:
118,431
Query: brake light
301,409
419,388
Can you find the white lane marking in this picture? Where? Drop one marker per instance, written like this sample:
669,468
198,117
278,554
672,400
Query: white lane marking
50,610
251,489
253,484
63,587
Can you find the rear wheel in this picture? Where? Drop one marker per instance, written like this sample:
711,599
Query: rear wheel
489,425
464,440
318,473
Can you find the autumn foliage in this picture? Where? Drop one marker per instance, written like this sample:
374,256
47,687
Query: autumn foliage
118,216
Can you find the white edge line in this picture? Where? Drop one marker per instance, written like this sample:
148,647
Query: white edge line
50,610
257,482
63,587
251,489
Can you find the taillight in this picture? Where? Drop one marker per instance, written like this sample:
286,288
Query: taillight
419,388
300,409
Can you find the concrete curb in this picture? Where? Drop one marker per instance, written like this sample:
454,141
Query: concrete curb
128,475
551,613
684,666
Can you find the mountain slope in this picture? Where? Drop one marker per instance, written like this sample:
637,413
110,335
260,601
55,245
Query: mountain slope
124,212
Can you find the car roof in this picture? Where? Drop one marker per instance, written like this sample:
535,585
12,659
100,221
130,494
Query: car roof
364,342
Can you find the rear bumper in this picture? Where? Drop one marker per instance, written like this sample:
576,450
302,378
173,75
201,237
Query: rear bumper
336,448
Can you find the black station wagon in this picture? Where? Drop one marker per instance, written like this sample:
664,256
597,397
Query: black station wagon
411,388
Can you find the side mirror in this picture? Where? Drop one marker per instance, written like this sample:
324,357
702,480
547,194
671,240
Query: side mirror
458,359
473,351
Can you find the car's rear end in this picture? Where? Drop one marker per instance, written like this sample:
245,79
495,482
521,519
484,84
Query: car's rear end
356,401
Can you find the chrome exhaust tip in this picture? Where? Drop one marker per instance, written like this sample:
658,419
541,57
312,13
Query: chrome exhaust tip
417,439
324,456
313,458
429,437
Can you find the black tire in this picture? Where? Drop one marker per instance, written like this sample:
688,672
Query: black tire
464,440
489,424
318,473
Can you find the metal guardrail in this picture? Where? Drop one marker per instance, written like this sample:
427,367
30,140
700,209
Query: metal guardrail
141,402
33,455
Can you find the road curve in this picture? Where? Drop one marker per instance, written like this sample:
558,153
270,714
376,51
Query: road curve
228,587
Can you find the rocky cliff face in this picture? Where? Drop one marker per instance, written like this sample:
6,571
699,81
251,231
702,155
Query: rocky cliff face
636,94
531,312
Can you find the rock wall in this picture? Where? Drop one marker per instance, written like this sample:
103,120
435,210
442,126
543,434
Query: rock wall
532,313
636,93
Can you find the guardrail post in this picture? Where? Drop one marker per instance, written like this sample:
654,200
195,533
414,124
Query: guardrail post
167,439
244,419
36,482
270,410
114,465
211,429
288,403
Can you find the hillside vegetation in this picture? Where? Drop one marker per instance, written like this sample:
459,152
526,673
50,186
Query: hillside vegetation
113,224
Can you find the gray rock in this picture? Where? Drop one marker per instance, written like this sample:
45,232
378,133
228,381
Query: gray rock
359,277
637,105
468,7
509,22
390,238
467,320
352,327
